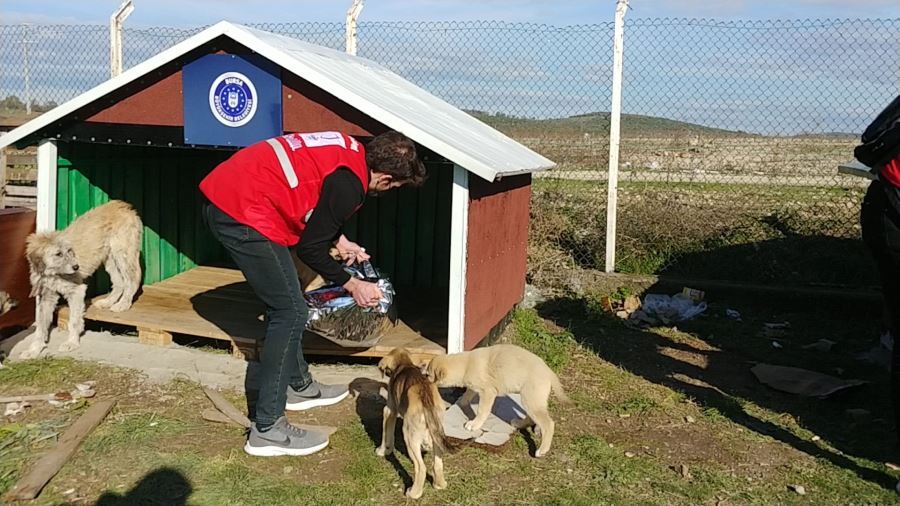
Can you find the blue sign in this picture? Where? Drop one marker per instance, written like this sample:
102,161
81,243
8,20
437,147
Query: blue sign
231,100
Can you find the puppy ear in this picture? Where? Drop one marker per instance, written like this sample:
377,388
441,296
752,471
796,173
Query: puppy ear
34,253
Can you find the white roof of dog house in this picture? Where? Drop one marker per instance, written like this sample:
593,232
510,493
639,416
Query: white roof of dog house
363,84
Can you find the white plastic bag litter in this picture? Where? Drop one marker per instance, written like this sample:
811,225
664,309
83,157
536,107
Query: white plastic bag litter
672,308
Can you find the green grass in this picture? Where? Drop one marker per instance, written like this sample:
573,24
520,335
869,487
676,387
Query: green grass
741,448
554,347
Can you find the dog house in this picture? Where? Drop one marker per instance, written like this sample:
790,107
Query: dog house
455,248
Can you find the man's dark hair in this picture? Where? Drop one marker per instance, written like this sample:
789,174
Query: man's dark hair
395,154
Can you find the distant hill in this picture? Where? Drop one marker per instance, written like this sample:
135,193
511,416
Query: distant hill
597,123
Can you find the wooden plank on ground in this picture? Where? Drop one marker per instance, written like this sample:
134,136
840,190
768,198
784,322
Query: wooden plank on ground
46,468
226,407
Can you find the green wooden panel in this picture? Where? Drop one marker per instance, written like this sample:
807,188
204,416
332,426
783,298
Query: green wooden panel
406,236
441,265
406,231
387,233
62,197
152,259
188,209
425,213
99,180
80,188
168,216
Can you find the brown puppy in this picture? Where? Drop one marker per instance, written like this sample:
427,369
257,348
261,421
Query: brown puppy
499,370
417,400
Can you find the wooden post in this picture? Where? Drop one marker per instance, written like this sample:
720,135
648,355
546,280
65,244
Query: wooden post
46,185
2,176
459,230
155,337
615,114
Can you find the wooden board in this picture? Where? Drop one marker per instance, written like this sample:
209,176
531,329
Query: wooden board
217,303
46,468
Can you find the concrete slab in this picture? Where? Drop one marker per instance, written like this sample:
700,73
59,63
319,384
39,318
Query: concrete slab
164,363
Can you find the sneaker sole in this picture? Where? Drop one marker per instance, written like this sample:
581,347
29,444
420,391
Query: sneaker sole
278,451
315,403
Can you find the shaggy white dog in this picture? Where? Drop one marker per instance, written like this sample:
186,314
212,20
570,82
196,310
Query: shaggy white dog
61,262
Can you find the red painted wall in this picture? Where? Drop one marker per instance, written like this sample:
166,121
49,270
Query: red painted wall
306,108
15,225
497,252
160,104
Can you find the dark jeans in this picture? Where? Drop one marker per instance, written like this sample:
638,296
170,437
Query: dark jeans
270,271
880,221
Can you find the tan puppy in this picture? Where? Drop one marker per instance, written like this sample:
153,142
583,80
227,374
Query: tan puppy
500,370
417,400
61,262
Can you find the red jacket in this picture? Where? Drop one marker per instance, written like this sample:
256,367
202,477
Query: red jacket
890,173
274,185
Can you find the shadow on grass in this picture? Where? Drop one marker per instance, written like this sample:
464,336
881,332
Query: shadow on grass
718,376
164,486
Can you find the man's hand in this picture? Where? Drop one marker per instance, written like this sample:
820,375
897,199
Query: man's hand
365,294
349,251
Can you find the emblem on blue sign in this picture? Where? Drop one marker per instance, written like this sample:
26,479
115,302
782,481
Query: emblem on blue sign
232,99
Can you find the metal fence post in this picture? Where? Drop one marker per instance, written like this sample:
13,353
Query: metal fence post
352,15
615,113
116,20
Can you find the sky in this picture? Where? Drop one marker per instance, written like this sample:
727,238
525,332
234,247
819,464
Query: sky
184,13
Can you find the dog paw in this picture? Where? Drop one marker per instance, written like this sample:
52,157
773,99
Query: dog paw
32,352
413,493
103,303
382,452
440,485
471,426
69,345
540,453
118,307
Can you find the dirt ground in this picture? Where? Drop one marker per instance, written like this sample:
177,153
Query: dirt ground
661,415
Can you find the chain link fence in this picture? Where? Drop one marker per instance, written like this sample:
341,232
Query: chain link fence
731,131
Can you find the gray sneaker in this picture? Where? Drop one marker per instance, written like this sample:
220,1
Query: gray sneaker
315,395
284,439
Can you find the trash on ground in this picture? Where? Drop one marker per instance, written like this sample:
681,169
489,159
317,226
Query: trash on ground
800,489
16,408
823,345
801,381
667,309
733,314
693,294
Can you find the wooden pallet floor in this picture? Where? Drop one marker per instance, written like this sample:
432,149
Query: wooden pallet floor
217,303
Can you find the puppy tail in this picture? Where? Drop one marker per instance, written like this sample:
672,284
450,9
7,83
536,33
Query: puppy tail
560,392
434,420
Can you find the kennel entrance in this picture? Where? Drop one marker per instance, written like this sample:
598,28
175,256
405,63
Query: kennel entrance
191,287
